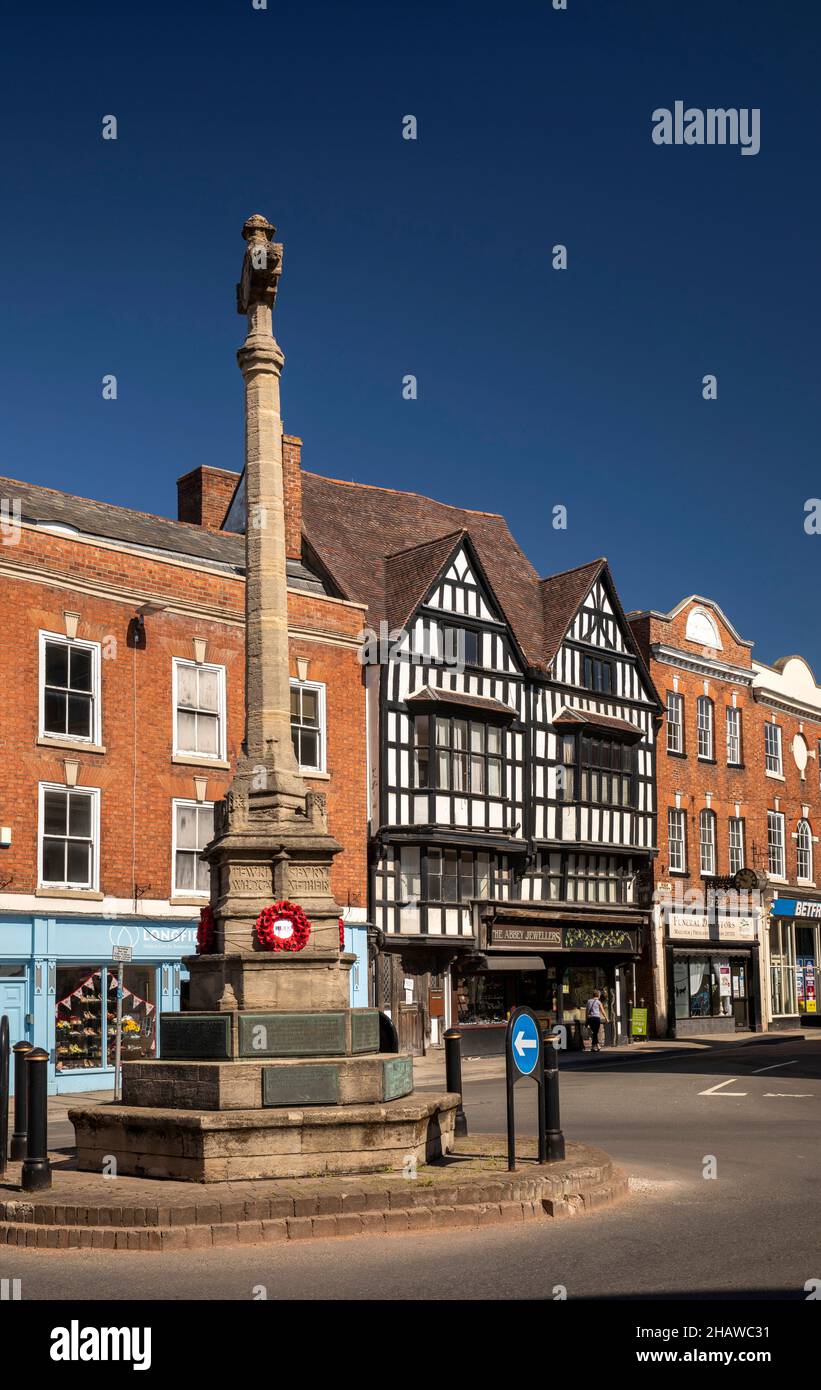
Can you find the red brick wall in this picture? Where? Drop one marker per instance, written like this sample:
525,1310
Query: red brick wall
137,705
292,487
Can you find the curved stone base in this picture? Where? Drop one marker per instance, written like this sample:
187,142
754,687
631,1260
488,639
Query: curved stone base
278,1081
227,1145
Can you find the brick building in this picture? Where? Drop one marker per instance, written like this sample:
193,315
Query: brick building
738,790
122,668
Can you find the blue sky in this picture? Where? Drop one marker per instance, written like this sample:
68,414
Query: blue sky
536,387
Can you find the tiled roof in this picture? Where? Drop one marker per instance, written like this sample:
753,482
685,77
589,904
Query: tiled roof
432,695
562,595
409,574
586,717
49,508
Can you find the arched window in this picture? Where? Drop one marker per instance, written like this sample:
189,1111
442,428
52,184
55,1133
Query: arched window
703,629
707,841
804,850
705,727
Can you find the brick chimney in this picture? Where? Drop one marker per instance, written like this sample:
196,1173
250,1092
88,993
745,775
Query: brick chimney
292,488
204,495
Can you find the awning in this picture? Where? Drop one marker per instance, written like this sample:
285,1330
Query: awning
498,963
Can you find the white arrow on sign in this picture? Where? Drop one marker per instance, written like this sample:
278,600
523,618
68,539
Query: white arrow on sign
520,1042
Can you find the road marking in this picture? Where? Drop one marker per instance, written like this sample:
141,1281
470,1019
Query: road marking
715,1090
759,1070
797,1095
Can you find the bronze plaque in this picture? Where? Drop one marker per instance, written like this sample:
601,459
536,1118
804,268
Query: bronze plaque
364,1030
397,1077
312,1084
189,1038
292,1035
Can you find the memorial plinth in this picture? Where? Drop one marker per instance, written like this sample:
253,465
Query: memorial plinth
269,1073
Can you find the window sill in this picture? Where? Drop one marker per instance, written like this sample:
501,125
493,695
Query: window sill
673,753
314,775
736,767
193,760
70,745
75,894
776,878
190,900
776,776
711,762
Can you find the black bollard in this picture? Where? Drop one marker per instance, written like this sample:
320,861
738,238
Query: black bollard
18,1138
36,1166
4,1092
555,1138
453,1076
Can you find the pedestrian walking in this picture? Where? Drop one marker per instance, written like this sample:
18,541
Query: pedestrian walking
595,1016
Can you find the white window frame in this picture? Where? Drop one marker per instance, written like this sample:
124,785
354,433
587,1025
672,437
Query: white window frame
733,729
95,737
220,755
176,892
737,858
707,818
705,728
675,702
776,821
805,849
94,793
319,687
773,757
677,816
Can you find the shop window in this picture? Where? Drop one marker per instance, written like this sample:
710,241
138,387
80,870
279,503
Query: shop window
199,710
139,1020
676,844
707,843
782,968
482,999
772,749
597,674
803,849
733,736
308,725
675,722
86,1031
69,688
193,830
736,847
775,843
69,820
702,987
704,716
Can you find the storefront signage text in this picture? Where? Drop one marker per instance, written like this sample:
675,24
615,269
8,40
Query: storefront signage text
691,926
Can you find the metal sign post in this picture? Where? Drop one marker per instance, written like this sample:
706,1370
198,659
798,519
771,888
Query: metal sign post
524,1056
121,954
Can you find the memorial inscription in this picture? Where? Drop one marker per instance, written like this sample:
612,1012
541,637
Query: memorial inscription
292,1035
300,1085
186,1037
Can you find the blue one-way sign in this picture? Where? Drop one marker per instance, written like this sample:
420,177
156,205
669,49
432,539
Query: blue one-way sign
525,1043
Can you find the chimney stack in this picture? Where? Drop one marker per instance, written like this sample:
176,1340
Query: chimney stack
204,496
292,490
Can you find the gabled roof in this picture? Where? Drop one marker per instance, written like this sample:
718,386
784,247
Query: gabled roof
562,596
353,527
411,573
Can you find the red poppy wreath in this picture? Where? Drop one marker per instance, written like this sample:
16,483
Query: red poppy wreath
282,927
206,932
341,935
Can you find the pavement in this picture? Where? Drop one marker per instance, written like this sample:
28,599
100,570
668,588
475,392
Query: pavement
721,1142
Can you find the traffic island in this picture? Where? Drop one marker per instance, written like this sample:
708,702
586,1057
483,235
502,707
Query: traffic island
470,1187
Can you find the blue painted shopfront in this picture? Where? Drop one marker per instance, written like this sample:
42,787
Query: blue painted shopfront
57,986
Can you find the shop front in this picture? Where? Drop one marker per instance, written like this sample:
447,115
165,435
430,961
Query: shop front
550,959
58,987
793,943
713,972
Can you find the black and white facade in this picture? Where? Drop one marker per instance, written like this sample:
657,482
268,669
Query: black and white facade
513,818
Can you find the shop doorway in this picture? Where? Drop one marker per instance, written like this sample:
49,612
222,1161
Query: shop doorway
740,994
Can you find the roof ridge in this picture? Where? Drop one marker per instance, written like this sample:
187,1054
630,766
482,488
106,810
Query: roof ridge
422,545
588,564
403,492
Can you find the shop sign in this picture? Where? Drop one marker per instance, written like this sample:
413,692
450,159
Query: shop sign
796,907
534,937
638,1023
696,926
